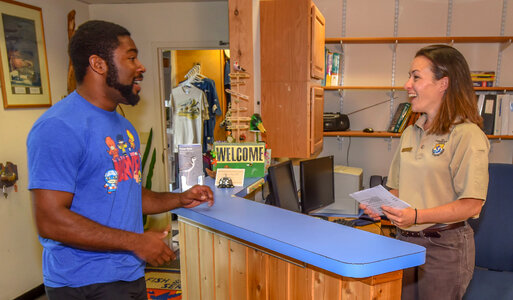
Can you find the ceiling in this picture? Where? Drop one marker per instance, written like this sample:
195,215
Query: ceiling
142,1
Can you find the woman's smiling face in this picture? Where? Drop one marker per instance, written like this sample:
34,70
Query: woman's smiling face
425,92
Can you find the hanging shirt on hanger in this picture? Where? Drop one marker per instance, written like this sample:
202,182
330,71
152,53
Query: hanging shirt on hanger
190,108
208,86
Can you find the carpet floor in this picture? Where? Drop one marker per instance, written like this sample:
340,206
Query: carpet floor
163,283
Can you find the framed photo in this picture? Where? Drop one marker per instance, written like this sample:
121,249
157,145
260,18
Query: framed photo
23,65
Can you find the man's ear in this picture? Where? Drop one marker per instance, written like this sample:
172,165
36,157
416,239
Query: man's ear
97,64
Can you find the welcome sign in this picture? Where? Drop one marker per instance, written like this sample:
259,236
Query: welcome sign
247,156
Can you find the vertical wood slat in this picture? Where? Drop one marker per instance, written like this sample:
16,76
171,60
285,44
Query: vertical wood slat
215,267
222,267
192,262
183,259
278,279
257,274
207,265
238,271
326,286
299,283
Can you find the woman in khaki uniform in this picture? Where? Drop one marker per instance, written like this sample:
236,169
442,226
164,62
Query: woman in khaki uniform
441,169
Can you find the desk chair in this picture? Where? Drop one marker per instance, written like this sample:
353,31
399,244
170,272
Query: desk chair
493,275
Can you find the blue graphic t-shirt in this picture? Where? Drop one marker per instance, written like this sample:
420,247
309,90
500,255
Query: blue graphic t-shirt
79,148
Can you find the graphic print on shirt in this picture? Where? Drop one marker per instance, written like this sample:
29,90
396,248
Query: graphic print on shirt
125,166
190,109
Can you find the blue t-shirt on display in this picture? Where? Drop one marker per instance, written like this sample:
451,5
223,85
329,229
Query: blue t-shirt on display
94,154
208,86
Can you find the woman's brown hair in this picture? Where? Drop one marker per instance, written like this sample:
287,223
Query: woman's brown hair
459,103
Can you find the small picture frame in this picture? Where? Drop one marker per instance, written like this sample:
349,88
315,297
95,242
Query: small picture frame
23,64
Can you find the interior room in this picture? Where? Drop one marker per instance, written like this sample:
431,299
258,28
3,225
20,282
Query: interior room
174,36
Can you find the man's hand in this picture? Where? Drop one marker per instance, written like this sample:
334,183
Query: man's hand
197,195
400,217
151,248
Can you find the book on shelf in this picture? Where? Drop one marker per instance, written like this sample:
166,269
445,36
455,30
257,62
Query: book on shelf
413,118
329,61
399,114
335,69
323,81
483,78
403,123
488,113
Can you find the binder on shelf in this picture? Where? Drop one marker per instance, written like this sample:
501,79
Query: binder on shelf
480,103
505,99
401,110
488,113
500,126
510,113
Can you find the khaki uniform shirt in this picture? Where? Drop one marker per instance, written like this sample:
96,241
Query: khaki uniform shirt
432,170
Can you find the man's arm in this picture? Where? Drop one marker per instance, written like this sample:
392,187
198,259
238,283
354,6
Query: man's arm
153,202
55,220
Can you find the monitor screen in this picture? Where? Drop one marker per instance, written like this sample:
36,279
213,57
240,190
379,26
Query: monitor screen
283,186
317,188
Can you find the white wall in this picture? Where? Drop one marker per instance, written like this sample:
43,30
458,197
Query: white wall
193,23
153,24
372,65
20,250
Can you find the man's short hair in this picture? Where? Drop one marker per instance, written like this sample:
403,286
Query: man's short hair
93,38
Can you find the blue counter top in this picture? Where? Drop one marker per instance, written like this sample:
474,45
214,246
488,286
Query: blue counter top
339,249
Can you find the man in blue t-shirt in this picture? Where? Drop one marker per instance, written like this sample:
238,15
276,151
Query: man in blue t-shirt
85,177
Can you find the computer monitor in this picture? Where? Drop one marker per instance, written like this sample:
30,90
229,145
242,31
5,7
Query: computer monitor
283,186
317,188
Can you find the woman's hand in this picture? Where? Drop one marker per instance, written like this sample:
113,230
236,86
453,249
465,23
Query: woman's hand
400,217
370,212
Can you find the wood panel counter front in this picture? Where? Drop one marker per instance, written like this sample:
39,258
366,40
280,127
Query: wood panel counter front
242,249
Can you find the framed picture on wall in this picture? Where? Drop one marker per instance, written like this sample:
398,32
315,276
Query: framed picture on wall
23,64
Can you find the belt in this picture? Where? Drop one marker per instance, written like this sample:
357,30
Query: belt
433,231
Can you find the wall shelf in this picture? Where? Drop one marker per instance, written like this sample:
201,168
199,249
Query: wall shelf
385,134
493,88
420,40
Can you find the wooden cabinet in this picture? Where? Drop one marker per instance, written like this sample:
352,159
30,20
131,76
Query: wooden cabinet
317,49
292,64
316,113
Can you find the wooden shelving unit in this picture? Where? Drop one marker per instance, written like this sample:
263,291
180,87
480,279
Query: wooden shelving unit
411,40
420,40
386,134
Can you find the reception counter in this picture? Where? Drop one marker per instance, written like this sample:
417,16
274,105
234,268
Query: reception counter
242,249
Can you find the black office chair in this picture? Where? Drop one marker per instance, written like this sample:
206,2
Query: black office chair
493,275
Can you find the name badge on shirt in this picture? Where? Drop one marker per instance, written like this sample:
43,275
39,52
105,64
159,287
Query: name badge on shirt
407,149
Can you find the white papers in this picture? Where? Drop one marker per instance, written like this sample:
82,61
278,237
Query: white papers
378,196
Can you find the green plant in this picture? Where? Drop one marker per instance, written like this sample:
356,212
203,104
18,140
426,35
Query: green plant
151,167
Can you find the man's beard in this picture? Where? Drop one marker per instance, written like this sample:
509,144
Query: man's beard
125,90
